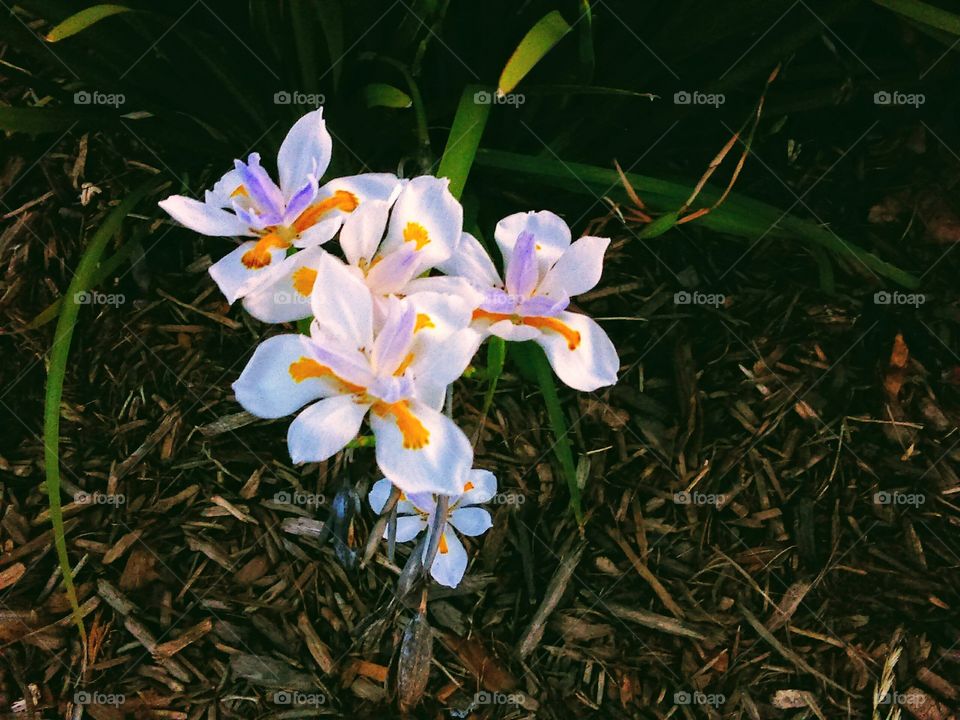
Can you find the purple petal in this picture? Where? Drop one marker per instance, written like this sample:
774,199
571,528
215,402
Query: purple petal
542,306
395,269
300,201
497,301
394,340
522,267
261,189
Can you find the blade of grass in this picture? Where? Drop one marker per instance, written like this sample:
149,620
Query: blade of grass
468,125
105,270
535,44
532,356
59,353
383,95
80,21
927,14
738,215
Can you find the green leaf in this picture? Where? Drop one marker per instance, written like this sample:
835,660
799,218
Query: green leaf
739,215
535,44
80,21
496,357
927,14
660,225
36,120
383,95
59,354
464,139
532,356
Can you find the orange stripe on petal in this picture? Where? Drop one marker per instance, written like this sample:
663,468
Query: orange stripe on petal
415,435
259,255
468,487
340,200
443,545
553,325
303,280
423,321
416,233
306,368
241,190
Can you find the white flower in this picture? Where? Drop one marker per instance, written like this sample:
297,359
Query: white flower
415,512
543,271
397,373
296,213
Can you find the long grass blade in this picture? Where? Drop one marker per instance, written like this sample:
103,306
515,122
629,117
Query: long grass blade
59,354
535,44
464,139
80,21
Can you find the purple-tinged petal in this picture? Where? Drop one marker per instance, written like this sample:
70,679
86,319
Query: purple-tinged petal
395,338
393,271
542,306
300,201
522,266
497,301
260,188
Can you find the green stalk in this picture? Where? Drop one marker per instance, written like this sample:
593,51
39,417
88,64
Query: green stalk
59,354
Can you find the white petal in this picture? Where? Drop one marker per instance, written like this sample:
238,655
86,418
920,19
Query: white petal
484,488
472,262
204,218
378,494
236,279
427,217
266,387
448,567
325,428
342,304
446,285
593,364
408,527
285,295
443,363
363,231
305,151
437,456
550,232
510,332
363,188
471,521
578,269
223,190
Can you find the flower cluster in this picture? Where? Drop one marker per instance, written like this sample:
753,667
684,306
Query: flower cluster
397,316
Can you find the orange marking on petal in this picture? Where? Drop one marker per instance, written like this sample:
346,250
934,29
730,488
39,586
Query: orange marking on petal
552,324
541,323
241,190
468,487
340,200
423,321
404,365
303,280
443,545
416,233
415,435
259,255
306,368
